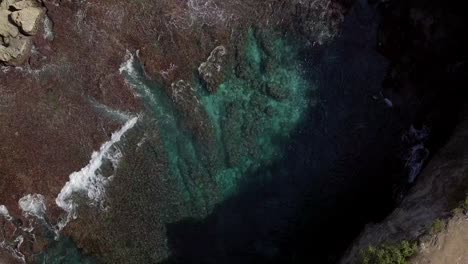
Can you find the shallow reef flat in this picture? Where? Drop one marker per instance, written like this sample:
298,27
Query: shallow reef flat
214,131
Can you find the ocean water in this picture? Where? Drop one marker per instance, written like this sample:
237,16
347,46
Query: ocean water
287,149
170,172
248,123
63,251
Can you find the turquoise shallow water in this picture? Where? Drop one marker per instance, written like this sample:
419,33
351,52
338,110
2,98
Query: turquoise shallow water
63,251
184,174
251,116
262,99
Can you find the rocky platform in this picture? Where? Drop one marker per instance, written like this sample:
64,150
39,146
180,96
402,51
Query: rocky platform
62,90
61,85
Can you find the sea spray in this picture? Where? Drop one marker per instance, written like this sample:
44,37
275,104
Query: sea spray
132,74
89,179
417,153
4,212
114,114
178,142
14,248
33,205
11,246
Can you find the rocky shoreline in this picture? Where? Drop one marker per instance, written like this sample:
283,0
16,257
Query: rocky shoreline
63,94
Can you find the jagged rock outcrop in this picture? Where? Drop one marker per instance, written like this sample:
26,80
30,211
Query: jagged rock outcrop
7,30
19,20
17,51
28,19
212,70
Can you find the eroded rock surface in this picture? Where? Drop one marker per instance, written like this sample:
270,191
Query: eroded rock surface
18,21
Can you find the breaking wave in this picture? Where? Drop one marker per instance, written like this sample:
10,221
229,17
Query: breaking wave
89,179
417,153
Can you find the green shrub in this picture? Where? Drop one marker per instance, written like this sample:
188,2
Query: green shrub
390,254
462,207
437,226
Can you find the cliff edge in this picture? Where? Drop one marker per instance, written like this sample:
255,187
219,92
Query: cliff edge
438,191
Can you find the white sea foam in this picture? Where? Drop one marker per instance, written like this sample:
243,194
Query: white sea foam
418,153
416,158
14,249
133,77
127,65
48,29
207,11
388,102
89,180
4,212
113,113
33,205
11,245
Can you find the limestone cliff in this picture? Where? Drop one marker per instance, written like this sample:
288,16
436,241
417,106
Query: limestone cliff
19,20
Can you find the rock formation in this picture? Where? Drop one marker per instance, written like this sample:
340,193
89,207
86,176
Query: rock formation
19,20
212,70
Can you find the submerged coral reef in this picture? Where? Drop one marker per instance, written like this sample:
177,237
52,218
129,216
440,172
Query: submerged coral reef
263,97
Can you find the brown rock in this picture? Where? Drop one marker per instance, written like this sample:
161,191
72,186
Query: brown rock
212,70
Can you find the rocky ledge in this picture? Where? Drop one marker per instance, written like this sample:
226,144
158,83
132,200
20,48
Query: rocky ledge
19,20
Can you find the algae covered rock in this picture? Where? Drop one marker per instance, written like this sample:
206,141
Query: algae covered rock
212,70
277,92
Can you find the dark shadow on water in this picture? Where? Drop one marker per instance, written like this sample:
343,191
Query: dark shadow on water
338,171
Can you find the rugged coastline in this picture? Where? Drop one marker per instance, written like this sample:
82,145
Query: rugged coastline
233,99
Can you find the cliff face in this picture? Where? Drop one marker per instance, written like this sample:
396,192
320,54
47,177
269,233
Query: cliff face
426,77
441,185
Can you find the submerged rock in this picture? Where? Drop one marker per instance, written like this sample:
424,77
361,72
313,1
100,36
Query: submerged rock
277,92
212,70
